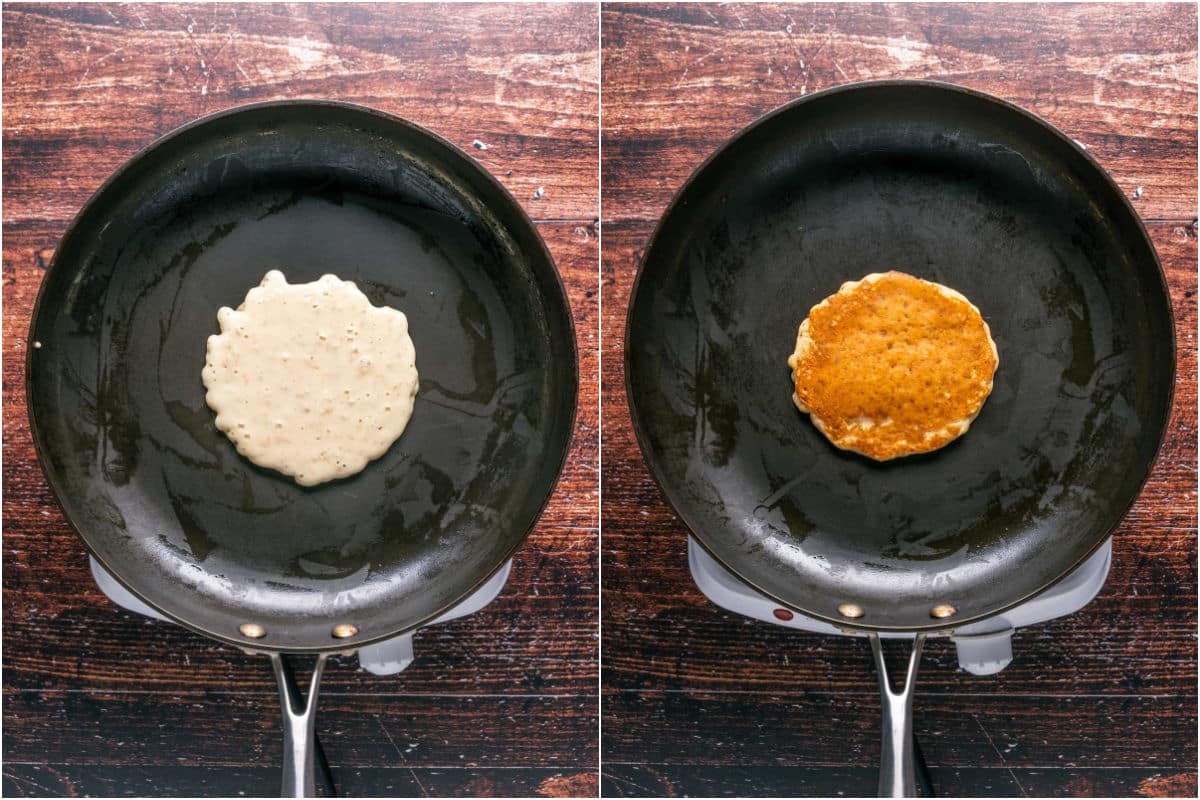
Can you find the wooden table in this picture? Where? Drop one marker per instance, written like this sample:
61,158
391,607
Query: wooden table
698,701
99,701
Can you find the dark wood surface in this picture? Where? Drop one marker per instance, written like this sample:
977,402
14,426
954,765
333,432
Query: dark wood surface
700,701
99,701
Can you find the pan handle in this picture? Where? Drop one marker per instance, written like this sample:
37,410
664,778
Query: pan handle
899,775
300,746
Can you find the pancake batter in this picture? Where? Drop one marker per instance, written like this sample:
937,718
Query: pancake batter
310,379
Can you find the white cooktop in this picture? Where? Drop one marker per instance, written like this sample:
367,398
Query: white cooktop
984,648
382,658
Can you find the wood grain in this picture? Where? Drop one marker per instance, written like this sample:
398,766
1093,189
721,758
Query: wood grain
680,79
88,86
765,729
100,701
181,781
760,781
358,729
701,701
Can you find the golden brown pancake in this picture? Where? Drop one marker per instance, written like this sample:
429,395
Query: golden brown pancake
893,365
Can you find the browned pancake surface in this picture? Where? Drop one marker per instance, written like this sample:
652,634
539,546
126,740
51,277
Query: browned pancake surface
893,365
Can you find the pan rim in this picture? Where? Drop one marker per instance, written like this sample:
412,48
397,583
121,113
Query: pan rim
557,287
639,427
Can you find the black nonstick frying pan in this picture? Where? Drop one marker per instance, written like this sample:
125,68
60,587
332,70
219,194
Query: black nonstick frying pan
950,185
161,497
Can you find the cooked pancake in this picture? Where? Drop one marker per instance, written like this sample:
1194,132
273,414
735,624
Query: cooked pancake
893,365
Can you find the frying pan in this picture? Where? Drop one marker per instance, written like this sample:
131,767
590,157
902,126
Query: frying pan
162,499
950,185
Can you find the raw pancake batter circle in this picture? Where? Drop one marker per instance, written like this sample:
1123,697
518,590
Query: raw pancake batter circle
310,379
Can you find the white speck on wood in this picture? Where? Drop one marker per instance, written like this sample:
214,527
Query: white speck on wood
479,145
305,54
906,52
538,194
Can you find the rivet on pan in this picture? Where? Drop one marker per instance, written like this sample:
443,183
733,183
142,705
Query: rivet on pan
344,631
252,631
942,611
850,610
37,345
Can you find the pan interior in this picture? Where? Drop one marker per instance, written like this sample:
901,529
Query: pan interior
163,497
952,187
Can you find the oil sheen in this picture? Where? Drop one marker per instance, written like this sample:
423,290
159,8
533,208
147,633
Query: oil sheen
311,379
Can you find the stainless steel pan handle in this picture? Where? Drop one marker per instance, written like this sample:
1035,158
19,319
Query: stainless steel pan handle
899,775
300,747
